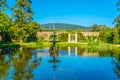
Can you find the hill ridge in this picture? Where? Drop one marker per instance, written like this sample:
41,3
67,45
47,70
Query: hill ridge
63,26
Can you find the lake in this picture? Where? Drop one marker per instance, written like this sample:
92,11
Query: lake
65,63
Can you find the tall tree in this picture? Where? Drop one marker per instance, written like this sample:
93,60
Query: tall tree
3,6
22,16
116,30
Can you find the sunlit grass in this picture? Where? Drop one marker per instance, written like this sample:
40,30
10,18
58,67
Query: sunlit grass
61,44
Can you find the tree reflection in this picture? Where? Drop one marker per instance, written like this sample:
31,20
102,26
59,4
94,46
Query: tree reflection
24,63
80,51
4,67
116,61
5,62
54,56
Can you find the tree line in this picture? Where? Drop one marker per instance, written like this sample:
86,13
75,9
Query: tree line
106,34
20,25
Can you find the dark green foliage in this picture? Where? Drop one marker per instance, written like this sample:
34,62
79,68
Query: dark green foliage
116,39
98,28
106,36
4,22
63,37
102,37
30,32
80,36
91,38
5,27
94,28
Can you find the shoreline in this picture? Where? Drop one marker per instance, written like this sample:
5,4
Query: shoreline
60,44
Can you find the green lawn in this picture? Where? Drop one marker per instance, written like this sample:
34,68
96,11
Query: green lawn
60,44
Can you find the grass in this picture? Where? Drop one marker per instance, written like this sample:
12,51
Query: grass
7,45
60,44
66,44
25,44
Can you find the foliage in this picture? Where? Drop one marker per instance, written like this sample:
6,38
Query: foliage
21,61
63,37
4,22
30,31
116,60
80,36
4,66
91,38
5,27
106,36
3,5
22,16
116,29
21,27
98,28
116,39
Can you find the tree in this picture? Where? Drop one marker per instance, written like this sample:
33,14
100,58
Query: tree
22,16
116,30
94,27
102,37
5,27
102,28
4,22
80,37
106,35
116,39
31,30
63,37
98,28
3,6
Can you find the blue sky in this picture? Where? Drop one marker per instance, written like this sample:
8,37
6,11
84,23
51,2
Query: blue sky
81,12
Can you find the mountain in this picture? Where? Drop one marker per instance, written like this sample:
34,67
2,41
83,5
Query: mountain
63,26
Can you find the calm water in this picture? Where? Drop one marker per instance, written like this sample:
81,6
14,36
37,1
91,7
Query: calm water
65,64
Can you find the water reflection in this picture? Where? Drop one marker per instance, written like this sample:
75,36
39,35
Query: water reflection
116,61
18,64
4,67
53,51
5,62
82,51
21,63
70,51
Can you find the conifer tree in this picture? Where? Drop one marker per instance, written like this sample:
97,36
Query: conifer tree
22,16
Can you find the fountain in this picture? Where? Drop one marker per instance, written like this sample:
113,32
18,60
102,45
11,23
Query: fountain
53,50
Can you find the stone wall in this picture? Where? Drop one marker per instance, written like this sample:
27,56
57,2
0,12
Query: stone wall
46,35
